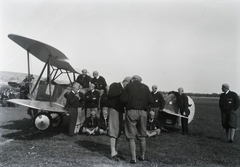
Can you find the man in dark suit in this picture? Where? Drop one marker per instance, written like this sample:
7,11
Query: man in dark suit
229,104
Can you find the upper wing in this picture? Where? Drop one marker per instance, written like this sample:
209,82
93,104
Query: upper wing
43,51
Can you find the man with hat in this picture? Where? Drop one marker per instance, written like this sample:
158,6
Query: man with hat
137,98
115,111
229,104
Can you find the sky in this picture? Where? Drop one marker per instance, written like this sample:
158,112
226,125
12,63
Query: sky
194,44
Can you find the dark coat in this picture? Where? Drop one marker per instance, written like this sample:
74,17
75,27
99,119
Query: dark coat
137,96
92,99
114,94
100,83
84,81
229,102
72,100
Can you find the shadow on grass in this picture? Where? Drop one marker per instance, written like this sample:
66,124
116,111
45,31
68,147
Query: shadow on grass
100,148
23,130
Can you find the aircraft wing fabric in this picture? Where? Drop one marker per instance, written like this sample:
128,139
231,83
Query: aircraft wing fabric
43,51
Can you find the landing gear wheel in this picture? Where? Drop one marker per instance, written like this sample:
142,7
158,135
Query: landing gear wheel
42,121
57,119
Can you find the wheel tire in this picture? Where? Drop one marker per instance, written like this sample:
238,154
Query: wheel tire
57,119
42,121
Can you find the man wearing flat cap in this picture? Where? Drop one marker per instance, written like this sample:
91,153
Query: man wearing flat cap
115,110
229,104
137,98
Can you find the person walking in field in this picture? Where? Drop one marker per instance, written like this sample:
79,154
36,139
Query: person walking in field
138,99
229,104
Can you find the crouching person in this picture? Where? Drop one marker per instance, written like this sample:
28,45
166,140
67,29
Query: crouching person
90,125
103,123
153,126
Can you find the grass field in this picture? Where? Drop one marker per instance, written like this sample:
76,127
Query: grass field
21,145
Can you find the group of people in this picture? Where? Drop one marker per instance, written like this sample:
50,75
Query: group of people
96,108
5,95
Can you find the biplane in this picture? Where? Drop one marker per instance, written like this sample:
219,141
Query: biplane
46,95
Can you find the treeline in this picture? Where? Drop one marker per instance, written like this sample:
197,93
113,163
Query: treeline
197,94
203,94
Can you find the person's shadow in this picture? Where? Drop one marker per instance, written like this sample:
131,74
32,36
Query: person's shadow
100,148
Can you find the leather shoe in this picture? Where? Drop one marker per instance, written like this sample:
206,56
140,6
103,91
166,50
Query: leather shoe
115,158
133,161
141,158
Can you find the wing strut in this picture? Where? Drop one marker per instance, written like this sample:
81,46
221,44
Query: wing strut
28,65
49,81
74,77
69,77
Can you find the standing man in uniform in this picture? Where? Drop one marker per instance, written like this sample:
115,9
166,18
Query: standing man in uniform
137,98
115,113
229,104
184,110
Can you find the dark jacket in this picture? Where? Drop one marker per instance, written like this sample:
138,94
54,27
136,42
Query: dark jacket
229,101
82,101
84,81
100,83
137,96
72,100
183,104
153,125
103,100
103,124
92,99
158,100
114,94
90,123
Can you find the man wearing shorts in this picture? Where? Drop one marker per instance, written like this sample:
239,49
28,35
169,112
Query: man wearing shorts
115,111
137,98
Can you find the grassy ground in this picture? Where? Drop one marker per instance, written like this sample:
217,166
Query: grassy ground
21,145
